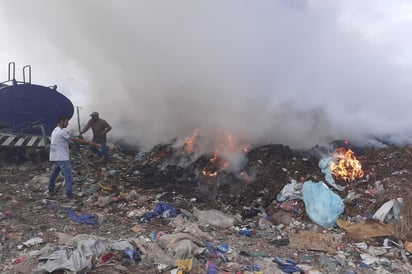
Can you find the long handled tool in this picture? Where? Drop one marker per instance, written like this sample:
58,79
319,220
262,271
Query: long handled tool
78,122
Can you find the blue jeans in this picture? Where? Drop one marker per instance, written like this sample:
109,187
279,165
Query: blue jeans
66,168
103,150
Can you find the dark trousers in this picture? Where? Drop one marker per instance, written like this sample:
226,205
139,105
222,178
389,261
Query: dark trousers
103,150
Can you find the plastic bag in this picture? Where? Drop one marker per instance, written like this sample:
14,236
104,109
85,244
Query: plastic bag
290,191
324,165
323,206
162,209
214,218
88,219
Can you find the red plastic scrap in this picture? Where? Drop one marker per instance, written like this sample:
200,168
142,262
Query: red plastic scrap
105,258
19,260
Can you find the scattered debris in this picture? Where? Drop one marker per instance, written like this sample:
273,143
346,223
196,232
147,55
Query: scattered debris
171,210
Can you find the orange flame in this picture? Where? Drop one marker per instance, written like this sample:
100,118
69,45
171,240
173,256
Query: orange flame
190,142
229,139
217,162
215,156
209,173
347,166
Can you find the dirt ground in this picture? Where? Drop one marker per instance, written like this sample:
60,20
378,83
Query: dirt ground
119,194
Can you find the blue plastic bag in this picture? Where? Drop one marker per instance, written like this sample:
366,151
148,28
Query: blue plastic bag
323,206
288,266
211,268
162,209
88,219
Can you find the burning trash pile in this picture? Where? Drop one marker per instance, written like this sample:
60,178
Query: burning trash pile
191,207
346,167
188,165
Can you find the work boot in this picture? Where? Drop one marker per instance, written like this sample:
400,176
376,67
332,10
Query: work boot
51,192
66,203
69,197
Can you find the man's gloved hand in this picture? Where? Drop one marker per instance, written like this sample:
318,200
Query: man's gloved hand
81,136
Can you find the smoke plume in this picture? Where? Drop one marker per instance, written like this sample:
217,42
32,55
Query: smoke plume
293,72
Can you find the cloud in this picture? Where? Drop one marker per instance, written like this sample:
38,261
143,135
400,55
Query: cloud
291,72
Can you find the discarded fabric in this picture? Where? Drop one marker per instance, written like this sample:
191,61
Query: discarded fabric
162,209
88,219
211,268
134,255
214,218
214,252
69,259
250,267
223,248
6,215
244,232
33,241
287,265
155,235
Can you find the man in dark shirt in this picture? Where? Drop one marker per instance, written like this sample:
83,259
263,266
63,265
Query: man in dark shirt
100,129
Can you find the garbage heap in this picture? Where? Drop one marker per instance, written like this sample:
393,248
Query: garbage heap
166,211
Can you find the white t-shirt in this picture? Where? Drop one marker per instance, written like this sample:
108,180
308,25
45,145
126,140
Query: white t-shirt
59,147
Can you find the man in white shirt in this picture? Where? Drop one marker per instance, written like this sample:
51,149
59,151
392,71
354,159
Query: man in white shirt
60,155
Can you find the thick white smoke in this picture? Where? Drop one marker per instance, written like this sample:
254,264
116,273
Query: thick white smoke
292,72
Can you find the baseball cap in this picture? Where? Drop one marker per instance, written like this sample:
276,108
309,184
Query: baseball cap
94,113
